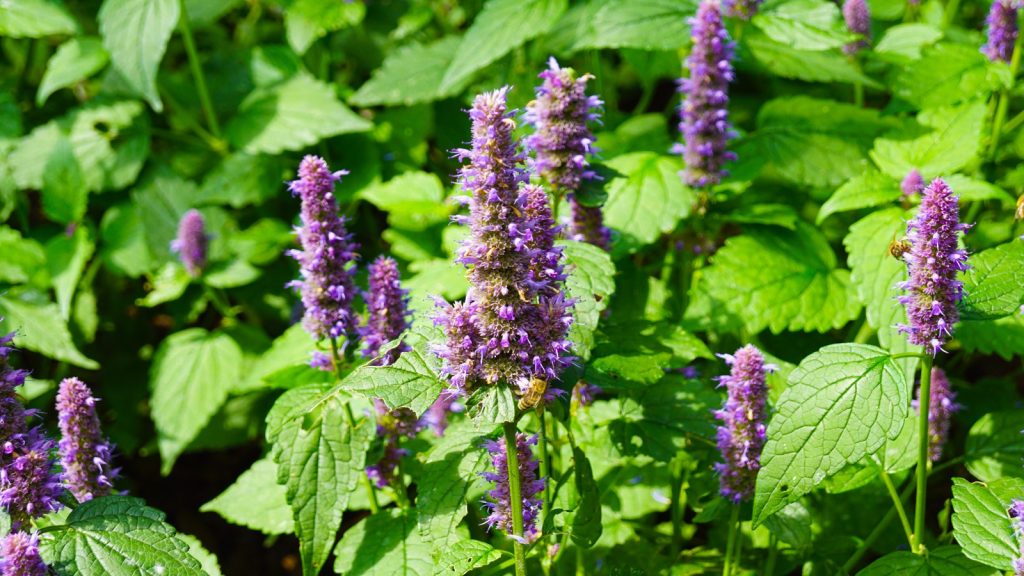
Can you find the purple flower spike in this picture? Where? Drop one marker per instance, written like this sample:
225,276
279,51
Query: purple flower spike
941,407
1002,30
29,488
499,503
933,262
742,435
392,426
192,242
1016,513
436,417
387,308
512,326
704,112
858,21
13,415
327,251
912,184
742,9
85,455
19,555
562,139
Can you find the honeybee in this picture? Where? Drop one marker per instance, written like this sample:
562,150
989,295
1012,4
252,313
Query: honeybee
897,248
1020,208
533,393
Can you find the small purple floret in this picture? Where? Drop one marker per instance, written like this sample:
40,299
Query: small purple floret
85,454
1016,513
941,407
933,263
912,184
387,306
192,242
742,434
499,500
704,112
19,555
1002,31
327,253
29,485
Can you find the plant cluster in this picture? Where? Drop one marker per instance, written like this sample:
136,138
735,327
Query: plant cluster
603,287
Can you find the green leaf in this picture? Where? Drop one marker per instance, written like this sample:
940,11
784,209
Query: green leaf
40,328
231,274
66,257
995,446
293,347
795,285
501,26
192,372
410,75
994,285
208,562
123,242
319,458
75,60
903,43
23,258
842,403
1004,336
948,74
661,420
586,522
384,544
492,405
166,286
875,273
945,561
64,192
636,354
648,199
414,201
953,143
35,19
465,555
792,525
866,190
109,140
292,115
410,382
812,142
117,536
804,24
243,179
980,521
898,455
973,190
451,470
135,33
810,65
590,284
643,24
255,501
161,201
305,21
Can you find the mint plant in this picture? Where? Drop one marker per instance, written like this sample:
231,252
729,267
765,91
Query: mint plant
523,287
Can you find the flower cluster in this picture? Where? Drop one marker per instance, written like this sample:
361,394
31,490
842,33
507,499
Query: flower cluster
19,555
513,323
192,242
912,183
387,311
858,21
327,285
704,113
84,454
941,407
742,435
436,417
1002,30
499,504
1016,513
562,141
933,262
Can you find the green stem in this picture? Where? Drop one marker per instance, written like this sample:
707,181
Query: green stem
219,301
910,355
898,505
737,554
922,454
197,72
858,94
864,333
1004,102
350,420
951,9
876,533
545,464
773,553
1014,123
676,507
515,497
730,544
